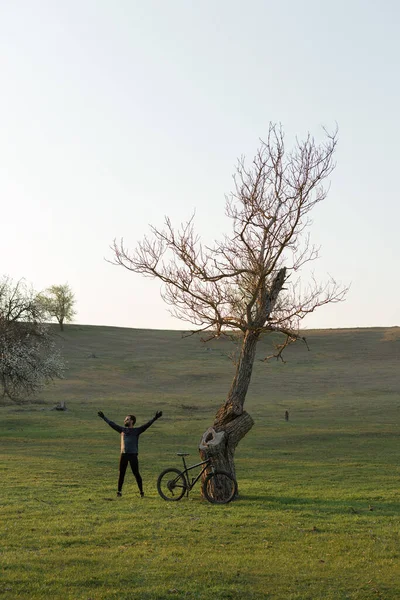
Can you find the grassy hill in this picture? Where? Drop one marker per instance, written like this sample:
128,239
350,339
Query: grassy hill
319,505
118,365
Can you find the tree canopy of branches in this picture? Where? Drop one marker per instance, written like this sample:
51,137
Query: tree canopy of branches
28,354
249,281
59,301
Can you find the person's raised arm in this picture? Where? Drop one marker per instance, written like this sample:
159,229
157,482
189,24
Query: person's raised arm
147,425
110,423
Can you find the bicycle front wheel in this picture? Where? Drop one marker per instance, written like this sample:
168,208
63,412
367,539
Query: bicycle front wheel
219,487
171,484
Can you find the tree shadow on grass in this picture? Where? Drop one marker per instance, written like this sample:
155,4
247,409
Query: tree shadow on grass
345,506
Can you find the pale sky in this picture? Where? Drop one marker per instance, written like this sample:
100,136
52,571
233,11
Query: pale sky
115,113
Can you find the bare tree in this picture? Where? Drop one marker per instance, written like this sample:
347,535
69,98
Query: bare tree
246,283
28,354
58,301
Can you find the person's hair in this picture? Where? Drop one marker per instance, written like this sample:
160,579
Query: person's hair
133,418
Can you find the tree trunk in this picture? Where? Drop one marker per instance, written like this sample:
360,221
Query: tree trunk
231,422
220,446
61,323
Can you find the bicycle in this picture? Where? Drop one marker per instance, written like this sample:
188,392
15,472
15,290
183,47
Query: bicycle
219,487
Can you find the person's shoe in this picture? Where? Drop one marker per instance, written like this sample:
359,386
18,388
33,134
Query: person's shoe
142,494
119,494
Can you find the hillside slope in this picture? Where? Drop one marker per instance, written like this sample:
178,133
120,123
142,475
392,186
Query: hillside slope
357,368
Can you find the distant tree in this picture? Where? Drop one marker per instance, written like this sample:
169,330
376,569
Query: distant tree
28,354
58,301
244,284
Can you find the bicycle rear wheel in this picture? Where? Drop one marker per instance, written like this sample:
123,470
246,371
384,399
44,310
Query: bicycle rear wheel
171,484
219,487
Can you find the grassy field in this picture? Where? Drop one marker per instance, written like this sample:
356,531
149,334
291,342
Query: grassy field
318,514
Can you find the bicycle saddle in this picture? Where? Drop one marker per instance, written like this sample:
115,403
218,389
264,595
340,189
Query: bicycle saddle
182,453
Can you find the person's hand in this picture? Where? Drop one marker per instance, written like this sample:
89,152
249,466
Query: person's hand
101,414
158,414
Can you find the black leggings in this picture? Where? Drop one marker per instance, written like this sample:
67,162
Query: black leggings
132,459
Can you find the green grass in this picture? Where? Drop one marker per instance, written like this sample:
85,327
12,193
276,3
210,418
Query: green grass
319,495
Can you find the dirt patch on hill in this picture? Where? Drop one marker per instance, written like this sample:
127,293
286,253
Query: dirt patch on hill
391,335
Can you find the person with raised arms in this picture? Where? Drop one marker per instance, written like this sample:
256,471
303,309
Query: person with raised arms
129,447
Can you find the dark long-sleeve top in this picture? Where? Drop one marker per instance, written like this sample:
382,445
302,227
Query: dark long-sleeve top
129,435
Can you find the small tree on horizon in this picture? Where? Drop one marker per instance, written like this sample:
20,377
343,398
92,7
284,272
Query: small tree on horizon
58,301
244,283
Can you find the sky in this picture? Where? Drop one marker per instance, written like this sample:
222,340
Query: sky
115,113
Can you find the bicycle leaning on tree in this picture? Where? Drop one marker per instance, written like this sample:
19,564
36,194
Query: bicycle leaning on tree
219,487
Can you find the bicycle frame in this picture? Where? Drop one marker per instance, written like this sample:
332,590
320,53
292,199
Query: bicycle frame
190,484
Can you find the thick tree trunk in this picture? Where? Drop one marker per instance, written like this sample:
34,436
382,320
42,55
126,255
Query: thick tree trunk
231,423
233,406
220,446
